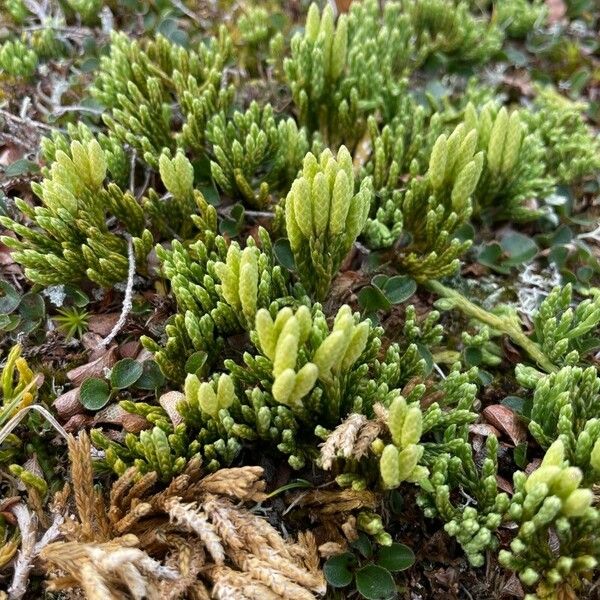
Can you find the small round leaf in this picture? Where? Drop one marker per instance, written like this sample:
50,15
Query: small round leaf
375,583
94,393
363,544
283,253
372,299
396,557
473,356
196,362
9,297
152,377
32,307
125,373
337,570
9,322
399,288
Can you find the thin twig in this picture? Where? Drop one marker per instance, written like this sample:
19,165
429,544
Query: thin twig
28,122
61,110
127,301
27,523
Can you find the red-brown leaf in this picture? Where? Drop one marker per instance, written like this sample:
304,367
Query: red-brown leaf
507,421
94,368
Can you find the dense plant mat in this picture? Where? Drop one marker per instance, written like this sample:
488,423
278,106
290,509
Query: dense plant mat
299,300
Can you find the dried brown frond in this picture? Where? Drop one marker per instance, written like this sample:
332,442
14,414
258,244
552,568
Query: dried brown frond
90,506
108,570
341,440
198,591
142,548
188,559
193,469
180,487
247,535
257,535
329,549
194,520
135,514
330,502
351,439
307,545
244,483
220,514
61,500
118,491
381,412
349,528
139,489
279,581
367,435
229,584
9,549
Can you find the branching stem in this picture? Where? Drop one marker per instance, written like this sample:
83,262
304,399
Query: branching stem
495,322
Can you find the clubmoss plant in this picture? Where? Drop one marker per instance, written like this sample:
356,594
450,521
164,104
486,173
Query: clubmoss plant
324,216
552,499
17,59
139,83
72,239
254,155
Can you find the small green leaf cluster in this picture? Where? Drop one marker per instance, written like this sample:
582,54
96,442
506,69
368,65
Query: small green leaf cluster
566,333
139,84
566,407
324,216
298,379
126,373
18,59
339,72
572,150
17,10
370,569
46,44
480,349
254,27
519,17
551,499
88,10
253,154
514,169
403,145
187,207
303,376
400,460
72,239
161,449
315,68
380,52
218,289
434,207
449,27
20,314
118,164
472,524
